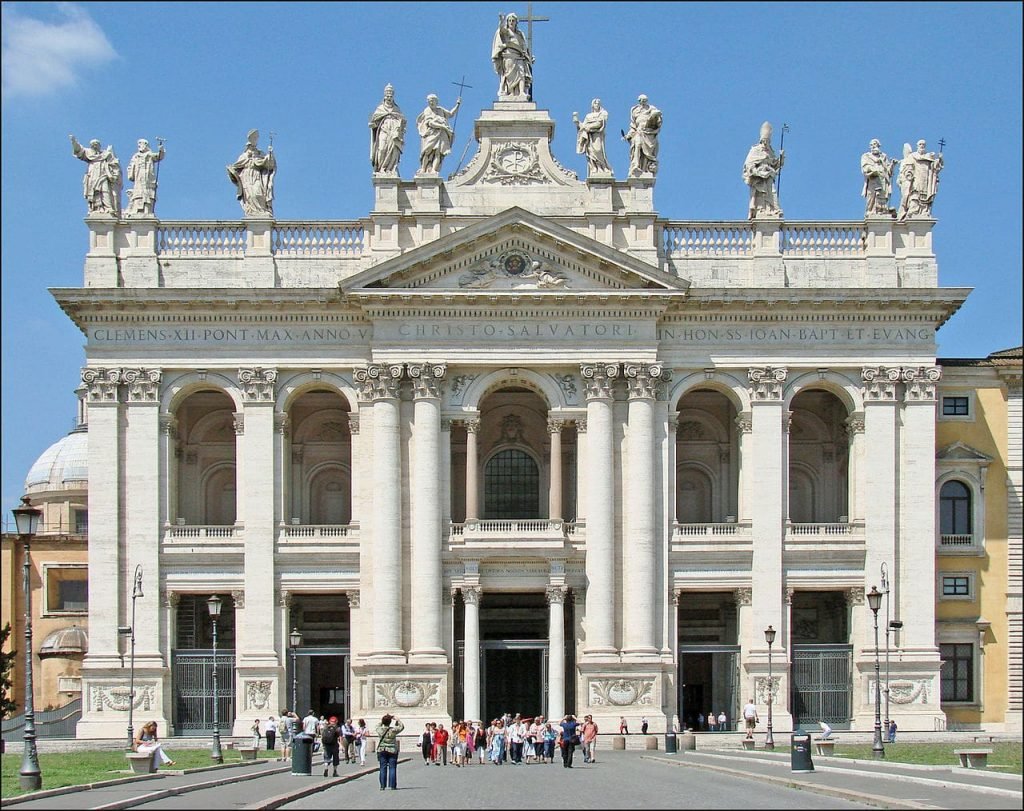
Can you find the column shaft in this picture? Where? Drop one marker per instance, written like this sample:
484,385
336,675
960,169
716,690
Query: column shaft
387,529
472,486
471,654
426,528
555,489
256,487
556,653
600,564
639,569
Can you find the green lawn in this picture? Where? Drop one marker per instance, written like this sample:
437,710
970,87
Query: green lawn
78,768
1005,757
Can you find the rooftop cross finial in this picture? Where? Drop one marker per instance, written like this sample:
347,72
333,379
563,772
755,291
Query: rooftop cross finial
942,144
529,19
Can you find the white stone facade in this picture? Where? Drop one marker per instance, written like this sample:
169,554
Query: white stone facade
725,426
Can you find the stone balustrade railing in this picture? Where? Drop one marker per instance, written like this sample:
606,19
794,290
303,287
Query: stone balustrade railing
838,531
516,529
696,239
740,530
202,532
201,239
824,239
956,540
320,532
313,239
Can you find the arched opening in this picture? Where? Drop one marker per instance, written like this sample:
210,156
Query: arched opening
818,458
707,458
955,509
511,485
318,467
206,451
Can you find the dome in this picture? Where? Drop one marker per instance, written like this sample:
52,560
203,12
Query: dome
73,641
64,465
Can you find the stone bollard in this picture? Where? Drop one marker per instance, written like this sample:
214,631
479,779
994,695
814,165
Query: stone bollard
651,742
619,742
748,744
687,742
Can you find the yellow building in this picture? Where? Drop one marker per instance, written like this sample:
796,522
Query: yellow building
978,570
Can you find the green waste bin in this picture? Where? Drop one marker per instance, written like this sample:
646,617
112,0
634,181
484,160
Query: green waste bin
670,743
800,752
302,754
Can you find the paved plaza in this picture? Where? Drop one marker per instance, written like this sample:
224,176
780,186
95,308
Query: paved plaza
725,778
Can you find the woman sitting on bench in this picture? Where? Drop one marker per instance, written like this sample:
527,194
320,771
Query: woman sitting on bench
146,743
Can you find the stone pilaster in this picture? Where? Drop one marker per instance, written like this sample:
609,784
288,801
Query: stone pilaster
381,384
426,495
640,574
472,470
142,488
598,379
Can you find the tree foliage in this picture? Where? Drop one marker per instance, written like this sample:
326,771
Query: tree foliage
7,705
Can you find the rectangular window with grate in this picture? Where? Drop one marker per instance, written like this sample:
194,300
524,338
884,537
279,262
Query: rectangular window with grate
956,406
957,671
956,586
67,589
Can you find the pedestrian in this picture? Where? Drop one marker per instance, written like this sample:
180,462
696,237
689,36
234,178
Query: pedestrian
892,731
309,724
623,726
331,740
550,739
387,750
256,734
570,739
289,721
643,725
427,743
750,718
270,730
700,721
515,737
480,742
711,721
589,739
348,740
722,722
147,742
441,745
362,733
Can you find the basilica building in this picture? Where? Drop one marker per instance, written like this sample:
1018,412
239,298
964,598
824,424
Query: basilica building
513,441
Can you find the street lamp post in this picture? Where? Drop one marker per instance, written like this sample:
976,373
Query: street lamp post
877,748
214,605
295,637
136,593
26,517
885,591
769,637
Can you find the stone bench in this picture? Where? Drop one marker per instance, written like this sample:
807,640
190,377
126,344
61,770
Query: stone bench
825,747
973,758
141,762
248,752
748,744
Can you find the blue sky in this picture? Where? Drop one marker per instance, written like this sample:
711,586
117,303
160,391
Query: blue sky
202,74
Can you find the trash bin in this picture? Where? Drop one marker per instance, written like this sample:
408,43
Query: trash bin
302,754
800,752
670,743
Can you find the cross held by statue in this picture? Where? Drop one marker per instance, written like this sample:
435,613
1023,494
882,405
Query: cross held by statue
529,19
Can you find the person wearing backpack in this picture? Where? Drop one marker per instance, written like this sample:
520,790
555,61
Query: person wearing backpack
329,740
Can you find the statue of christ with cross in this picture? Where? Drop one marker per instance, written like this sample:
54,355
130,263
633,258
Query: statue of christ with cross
512,57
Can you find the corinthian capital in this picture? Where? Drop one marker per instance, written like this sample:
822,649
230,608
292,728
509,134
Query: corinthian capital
556,594
257,384
920,383
645,380
765,383
379,381
880,383
427,379
598,379
143,384
101,384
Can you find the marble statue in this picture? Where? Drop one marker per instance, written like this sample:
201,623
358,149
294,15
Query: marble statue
590,138
436,135
644,126
877,169
253,177
760,169
142,172
512,61
103,181
387,135
919,180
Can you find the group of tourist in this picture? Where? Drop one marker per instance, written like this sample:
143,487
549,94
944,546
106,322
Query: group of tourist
509,739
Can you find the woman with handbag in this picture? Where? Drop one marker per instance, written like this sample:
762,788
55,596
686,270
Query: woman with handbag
570,739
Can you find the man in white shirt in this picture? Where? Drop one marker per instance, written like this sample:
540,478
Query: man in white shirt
722,721
310,724
750,716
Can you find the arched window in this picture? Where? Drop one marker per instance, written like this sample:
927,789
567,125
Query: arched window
512,486
955,509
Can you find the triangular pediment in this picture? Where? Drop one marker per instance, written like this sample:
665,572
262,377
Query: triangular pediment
515,251
961,452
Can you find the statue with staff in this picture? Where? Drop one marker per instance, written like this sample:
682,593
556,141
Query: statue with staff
436,135
387,135
512,60
877,168
919,180
144,172
253,177
760,169
102,183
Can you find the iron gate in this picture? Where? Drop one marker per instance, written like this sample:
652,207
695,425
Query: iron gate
822,686
192,684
